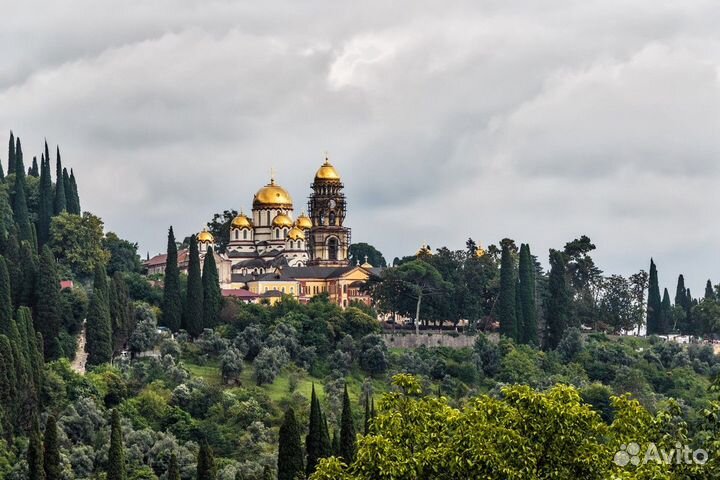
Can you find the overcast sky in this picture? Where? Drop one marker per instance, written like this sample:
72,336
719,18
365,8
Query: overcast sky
539,121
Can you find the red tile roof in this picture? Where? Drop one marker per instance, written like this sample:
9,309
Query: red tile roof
239,292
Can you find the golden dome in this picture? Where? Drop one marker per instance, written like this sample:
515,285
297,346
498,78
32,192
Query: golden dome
205,237
241,221
327,172
480,252
281,221
424,251
272,195
304,222
296,234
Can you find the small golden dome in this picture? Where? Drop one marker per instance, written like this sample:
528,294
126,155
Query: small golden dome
241,221
304,222
272,195
424,251
480,252
296,234
281,221
327,172
205,237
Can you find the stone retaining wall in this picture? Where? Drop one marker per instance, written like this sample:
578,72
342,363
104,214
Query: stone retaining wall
412,340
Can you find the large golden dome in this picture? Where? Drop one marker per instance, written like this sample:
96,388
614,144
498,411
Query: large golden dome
205,237
303,222
327,172
272,195
296,234
282,220
241,221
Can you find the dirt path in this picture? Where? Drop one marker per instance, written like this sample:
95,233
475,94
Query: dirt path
80,354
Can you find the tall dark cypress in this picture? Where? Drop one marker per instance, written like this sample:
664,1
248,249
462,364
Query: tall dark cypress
193,306
11,154
68,190
75,195
290,452
8,387
34,171
682,299
205,463
313,440
51,457
557,307
666,312
46,202
709,291
36,469
172,296
212,295
120,309
20,208
367,415
29,264
173,472
60,202
506,302
116,455
526,270
14,265
6,309
99,325
48,310
654,303
347,431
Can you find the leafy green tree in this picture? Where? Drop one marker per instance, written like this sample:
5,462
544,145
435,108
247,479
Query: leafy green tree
116,467
51,457
526,277
123,254
219,226
60,202
557,305
506,308
193,306
48,310
205,463
347,430
585,279
290,453
76,241
172,296
36,469
654,303
212,296
99,324
360,253
617,305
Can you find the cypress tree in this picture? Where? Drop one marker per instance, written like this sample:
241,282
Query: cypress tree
68,190
654,303
36,469
6,309
212,296
347,431
367,415
313,440
45,210
666,310
34,171
290,453
29,265
120,309
172,297
558,303
526,277
506,298
683,299
14,264
11,154
48,312
326,443
116,454
2,173
336,443
51,457
99,325
75,195
20,208
60,202
8,387
193,307
173,472
205,463
709,291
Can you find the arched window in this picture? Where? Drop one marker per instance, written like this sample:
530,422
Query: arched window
268,218
277,233
244,234
332,218
332,245
237,234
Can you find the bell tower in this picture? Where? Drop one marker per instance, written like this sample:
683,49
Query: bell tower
329,239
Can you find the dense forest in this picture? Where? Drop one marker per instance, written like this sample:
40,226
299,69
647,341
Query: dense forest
92,388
